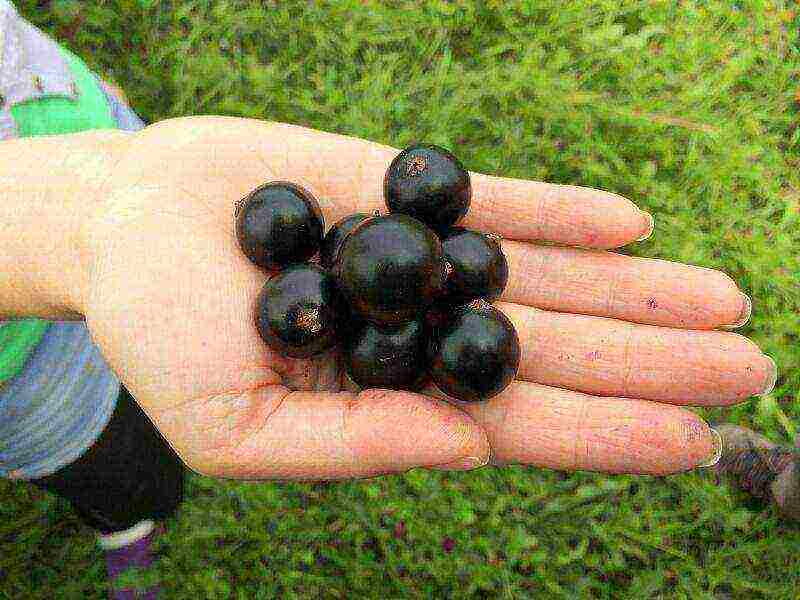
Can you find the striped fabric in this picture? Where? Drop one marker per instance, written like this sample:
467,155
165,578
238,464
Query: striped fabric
58,406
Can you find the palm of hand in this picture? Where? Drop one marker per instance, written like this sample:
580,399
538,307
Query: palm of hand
171,302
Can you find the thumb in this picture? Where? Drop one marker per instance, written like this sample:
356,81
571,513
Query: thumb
310,435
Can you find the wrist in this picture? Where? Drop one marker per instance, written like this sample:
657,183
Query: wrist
49,188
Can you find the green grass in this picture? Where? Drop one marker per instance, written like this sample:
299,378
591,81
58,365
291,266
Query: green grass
690,109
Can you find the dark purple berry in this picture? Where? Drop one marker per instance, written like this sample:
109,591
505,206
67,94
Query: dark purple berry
478,266
475,355
334,238
428,183
393,358
390,269
299,310
279,224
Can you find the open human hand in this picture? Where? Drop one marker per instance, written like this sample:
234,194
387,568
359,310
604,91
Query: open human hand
610,343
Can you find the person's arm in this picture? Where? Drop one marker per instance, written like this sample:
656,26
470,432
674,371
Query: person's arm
610,343
48,185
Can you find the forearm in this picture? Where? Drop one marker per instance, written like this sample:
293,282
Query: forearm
49,187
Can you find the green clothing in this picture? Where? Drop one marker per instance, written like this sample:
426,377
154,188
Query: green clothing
49,116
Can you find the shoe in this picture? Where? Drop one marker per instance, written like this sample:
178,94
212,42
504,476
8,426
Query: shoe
129,550
760,468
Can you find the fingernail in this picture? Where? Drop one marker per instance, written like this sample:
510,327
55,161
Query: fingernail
716,453
649,224
744,314
466,463
771,378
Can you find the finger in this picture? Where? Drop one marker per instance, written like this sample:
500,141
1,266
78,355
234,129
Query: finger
514,208
558,429
607,357
273,433
565,214
605,284
231,156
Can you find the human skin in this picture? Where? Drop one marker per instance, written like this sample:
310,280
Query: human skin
133,232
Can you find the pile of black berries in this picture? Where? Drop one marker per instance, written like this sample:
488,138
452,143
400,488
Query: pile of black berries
406,294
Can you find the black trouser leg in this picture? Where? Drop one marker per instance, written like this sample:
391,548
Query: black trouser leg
128,475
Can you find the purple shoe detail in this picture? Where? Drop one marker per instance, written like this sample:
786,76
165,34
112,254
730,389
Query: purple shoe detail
137,555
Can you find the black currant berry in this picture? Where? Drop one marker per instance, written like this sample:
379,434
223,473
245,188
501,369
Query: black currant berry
428,183
298,311
333,240
475,355
393,358
279,224
390,268
478,266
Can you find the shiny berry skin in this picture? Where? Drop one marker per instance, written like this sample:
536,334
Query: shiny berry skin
334,238
279,224
428,183
392,358
475,355
390,268
478,266
298,311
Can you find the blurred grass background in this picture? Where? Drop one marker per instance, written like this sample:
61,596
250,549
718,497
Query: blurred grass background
691,109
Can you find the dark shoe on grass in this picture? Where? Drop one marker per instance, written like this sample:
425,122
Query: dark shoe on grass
760,468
